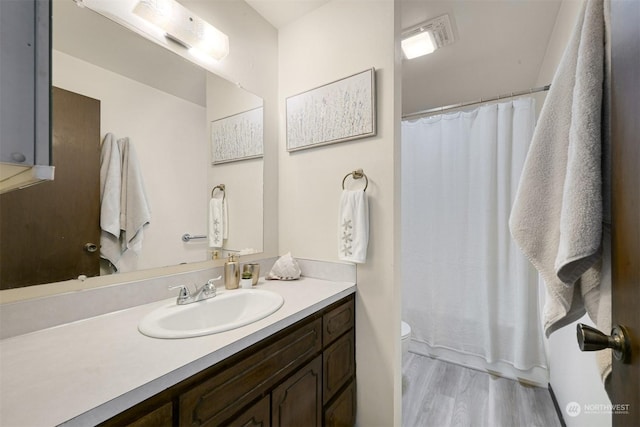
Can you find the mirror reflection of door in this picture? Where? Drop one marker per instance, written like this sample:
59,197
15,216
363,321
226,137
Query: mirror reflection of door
44,228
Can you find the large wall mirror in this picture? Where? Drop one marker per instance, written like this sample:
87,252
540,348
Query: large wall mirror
168,108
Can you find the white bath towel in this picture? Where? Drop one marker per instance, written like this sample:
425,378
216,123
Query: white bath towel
218,222
602,300
110,185
557,215
135,211
353,226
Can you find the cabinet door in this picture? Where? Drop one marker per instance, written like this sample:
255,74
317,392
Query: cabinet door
339,365
298,401
342,412
257,415
25,82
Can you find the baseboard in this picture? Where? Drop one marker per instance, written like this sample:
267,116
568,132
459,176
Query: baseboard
555,405
536,376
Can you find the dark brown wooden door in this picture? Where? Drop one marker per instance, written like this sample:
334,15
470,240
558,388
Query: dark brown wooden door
44,228
624,387
298,401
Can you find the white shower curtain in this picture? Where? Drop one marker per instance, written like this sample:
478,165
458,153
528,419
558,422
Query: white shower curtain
469,294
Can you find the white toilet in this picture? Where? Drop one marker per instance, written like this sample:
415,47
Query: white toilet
405,333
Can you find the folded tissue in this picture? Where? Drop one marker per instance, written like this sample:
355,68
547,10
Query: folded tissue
285,268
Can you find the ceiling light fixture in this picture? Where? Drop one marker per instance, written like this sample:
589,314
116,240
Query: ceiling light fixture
427,37
418,45
184,27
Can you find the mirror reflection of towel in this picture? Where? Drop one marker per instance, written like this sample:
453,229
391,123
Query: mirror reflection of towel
134,205
110,184
218,222
124,207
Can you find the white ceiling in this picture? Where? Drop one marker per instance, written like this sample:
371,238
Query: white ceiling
499,49
280,12
101,43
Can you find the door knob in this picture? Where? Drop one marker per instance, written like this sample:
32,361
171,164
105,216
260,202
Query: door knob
591,339
90,247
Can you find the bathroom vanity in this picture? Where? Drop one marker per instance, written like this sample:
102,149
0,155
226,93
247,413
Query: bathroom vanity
302,375
294,367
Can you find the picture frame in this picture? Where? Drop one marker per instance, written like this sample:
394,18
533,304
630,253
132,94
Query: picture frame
339,111
237,137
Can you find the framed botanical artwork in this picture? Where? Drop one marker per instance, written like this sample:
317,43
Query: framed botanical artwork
336,112
237,137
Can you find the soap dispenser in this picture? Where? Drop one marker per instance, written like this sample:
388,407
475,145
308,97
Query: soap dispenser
232,272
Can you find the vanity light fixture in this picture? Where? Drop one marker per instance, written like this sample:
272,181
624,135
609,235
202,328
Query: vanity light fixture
184,27
427,37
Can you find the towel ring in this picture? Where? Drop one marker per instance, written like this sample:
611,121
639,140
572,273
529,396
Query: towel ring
221,188
357,174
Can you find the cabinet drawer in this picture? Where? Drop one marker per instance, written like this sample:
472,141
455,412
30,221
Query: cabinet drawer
342,412
257,415
153,412
339,365
163,416
250,376
338,321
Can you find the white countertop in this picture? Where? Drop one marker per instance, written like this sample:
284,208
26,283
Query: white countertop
85,372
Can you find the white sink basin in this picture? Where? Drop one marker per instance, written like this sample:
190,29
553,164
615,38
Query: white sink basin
228,310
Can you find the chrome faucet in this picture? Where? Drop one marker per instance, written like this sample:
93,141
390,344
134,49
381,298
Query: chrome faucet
208,290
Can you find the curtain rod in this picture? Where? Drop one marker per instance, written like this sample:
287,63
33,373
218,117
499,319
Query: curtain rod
481,101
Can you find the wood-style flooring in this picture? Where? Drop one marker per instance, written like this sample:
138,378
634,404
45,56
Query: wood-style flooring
441,394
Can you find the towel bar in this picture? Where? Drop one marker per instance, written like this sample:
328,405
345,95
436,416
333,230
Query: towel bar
187,237
357,174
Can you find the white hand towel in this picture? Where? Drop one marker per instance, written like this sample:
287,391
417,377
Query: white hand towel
353,226
557,215
225,219
216,222
110,186
135,212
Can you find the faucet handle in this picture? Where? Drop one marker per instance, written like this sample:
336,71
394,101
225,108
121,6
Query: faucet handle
184,291
210,283
209,288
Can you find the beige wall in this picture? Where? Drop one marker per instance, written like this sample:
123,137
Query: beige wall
565,21
573,374
339,39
